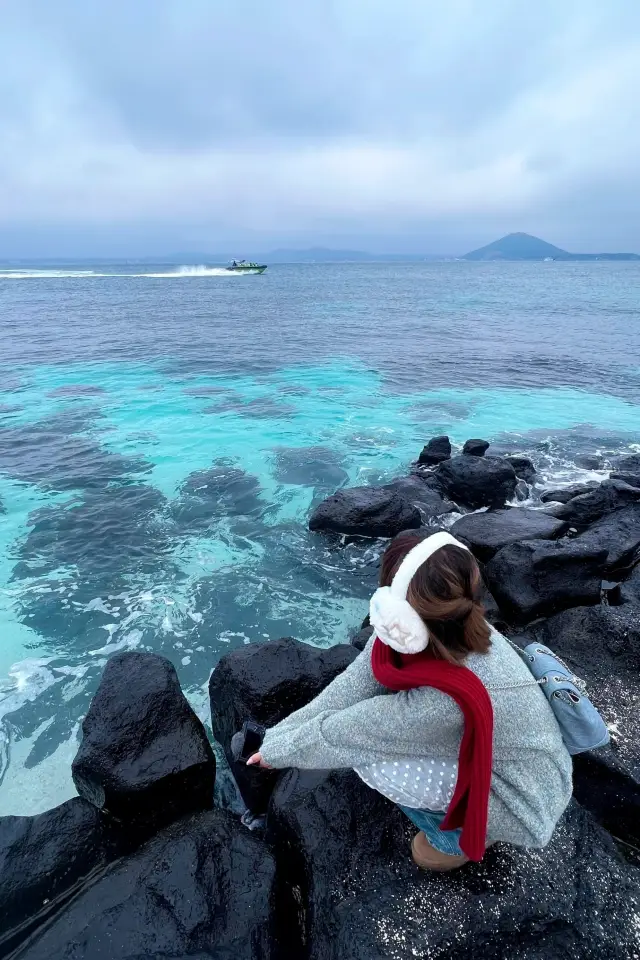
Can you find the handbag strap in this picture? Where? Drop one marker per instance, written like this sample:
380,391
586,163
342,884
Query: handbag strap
578,681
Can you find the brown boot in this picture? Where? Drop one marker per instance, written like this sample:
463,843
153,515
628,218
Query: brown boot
428,858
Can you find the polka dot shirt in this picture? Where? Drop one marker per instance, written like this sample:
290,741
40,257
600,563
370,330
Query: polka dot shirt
420,784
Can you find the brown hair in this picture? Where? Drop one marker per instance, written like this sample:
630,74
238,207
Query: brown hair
446,592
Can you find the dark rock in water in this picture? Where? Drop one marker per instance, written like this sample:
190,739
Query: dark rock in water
204,884
524,468
419,493
538,577
619,533
477,481
632,479
475,448
437,450
627,464
265,682
589,462
144,756
309,466
602,645
220,491
361,638
564,494
486,533
365,512
77,390
630,589
42,858
348,860
610,496
522,491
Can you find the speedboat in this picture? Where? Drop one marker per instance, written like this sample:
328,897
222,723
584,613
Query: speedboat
246,266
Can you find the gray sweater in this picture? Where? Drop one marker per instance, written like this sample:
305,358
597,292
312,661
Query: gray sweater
356,721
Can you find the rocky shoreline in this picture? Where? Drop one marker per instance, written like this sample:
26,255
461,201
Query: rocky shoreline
143,865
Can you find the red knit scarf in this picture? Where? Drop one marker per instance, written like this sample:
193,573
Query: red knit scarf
469,807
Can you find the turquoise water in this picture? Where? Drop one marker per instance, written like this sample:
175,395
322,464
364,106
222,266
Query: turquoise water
163,438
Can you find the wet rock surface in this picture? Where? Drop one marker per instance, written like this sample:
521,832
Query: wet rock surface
486,533
632,479
564,494
419,493
619,534
366,512
365,899
477,481
605,499
523,466
43,858
630,588
436,450
475,448
538,577
144,756
203,884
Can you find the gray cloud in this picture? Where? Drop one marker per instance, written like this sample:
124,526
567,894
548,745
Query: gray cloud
329,119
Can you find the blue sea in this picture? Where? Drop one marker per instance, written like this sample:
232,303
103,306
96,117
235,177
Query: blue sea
165,431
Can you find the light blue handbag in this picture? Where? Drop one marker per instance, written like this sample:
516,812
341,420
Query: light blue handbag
582,726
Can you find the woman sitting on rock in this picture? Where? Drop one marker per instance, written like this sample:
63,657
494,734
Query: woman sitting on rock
438,713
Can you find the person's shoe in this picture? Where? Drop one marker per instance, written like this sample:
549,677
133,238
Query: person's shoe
428,858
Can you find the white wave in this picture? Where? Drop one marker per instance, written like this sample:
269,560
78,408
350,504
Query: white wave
47,274
184,272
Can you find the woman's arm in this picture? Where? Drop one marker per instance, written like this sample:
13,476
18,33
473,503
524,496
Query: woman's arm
415,723
355,683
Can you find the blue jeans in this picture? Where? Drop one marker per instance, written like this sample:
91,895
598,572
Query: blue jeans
445,841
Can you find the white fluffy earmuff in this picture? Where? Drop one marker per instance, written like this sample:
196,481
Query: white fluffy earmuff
395,621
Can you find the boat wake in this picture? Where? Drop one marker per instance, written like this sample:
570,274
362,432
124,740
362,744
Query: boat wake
179,273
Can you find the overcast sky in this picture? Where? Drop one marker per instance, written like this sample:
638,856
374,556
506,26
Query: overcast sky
142,126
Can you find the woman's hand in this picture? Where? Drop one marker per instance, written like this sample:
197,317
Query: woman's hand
256,760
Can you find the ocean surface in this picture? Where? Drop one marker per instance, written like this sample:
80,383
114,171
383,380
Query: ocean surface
165,431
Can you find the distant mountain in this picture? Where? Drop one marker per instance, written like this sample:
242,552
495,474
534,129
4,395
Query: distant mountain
522,246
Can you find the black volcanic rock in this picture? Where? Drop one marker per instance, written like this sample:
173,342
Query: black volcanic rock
265,682
348,862
477,481
627,464
202,887
540,577
436,450
43,857
609,496
632,479
144,756
630,589
361,638
421,494
619,534
365,512
475,448
524,468
488,532
565,494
